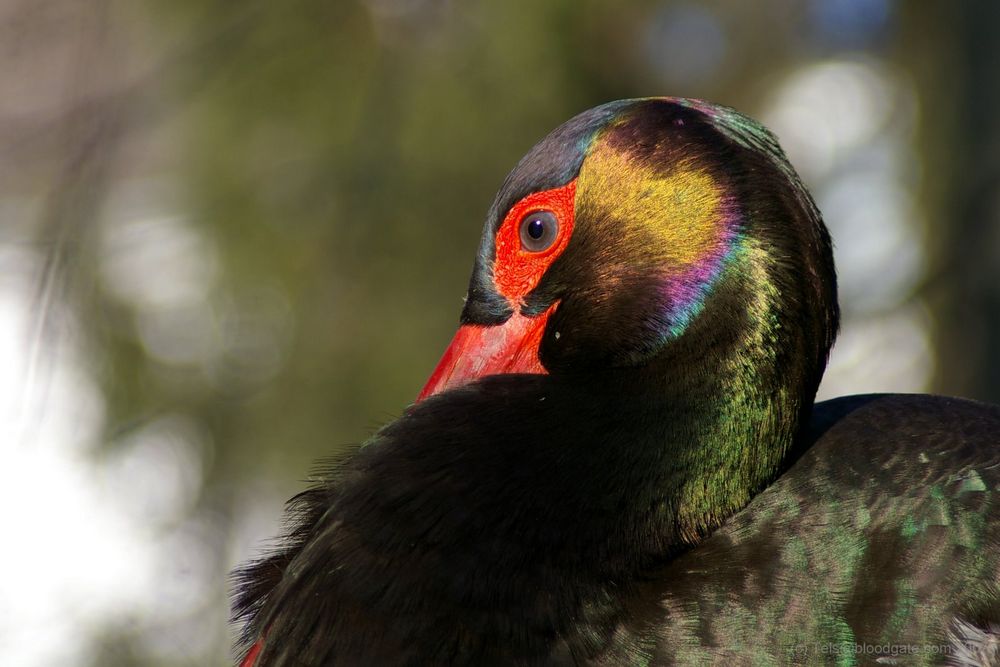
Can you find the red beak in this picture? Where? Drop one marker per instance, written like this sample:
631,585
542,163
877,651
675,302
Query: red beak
477,351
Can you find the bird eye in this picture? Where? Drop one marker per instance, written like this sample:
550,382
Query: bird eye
538,231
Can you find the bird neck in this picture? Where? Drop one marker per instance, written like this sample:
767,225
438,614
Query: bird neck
733,393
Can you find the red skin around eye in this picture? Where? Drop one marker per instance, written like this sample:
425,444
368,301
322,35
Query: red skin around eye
517,271
511,347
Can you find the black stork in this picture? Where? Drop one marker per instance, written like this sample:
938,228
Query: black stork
618,461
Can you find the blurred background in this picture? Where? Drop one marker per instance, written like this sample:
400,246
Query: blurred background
234,237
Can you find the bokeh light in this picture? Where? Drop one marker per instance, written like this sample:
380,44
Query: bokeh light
849,126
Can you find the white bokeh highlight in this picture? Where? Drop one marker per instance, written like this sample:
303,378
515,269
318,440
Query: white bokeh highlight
847,126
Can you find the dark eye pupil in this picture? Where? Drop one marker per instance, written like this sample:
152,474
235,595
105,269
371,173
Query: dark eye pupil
536,228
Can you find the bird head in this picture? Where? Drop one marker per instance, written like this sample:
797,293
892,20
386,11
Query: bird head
645,233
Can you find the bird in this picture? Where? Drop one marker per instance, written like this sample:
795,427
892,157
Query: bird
619,460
